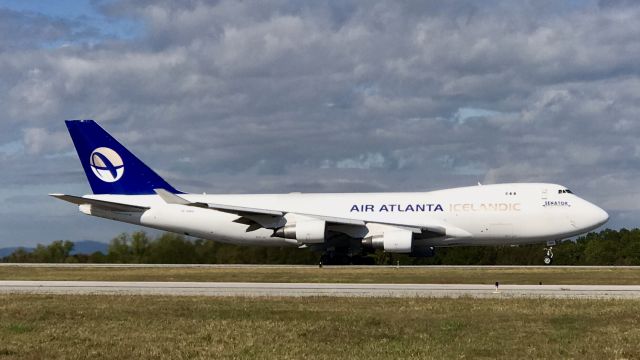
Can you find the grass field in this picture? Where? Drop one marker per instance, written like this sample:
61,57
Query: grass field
45,326
422,275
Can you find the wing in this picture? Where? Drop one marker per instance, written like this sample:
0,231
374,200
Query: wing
272,219
170,198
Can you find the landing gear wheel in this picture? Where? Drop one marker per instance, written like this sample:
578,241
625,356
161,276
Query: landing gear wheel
548,258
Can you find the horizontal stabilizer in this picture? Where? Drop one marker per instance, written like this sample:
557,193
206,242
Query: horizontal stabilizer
107,205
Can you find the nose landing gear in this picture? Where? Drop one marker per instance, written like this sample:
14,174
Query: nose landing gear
548,257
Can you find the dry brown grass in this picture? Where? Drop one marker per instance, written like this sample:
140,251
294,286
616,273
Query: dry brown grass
39,326
422,275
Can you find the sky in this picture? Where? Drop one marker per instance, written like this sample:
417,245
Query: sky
318,96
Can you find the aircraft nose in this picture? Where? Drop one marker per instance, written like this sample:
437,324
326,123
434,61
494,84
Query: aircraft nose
598,216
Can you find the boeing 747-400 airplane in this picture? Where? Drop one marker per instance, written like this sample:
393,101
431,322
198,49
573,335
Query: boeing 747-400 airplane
343,226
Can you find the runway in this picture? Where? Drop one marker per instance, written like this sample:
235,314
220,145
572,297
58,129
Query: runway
323,289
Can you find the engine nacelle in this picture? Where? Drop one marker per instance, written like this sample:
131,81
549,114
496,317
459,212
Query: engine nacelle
305,230
391,240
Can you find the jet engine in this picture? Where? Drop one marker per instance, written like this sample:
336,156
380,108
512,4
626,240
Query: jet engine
390,240
304,230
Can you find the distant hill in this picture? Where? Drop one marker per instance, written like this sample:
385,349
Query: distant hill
80,247
9,250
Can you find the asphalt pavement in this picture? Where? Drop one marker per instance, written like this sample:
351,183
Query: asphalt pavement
322,289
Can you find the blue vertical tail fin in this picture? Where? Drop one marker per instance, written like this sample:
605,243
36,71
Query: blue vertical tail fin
109,166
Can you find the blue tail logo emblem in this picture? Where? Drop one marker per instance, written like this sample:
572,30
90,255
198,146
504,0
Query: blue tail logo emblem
106,164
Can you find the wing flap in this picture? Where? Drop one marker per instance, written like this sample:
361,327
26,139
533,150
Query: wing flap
244,211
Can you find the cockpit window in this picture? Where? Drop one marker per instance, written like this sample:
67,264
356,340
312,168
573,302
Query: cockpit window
565,191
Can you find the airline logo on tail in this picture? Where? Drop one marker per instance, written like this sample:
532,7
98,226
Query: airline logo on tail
106,164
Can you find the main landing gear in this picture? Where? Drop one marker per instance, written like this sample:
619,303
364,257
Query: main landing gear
548,257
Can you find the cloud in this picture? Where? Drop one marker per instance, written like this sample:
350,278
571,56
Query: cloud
26,29
39,140
282,96
363,161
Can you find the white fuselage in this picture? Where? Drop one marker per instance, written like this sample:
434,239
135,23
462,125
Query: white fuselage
478,215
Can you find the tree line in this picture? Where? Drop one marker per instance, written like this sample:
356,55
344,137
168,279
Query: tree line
607,247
